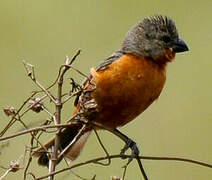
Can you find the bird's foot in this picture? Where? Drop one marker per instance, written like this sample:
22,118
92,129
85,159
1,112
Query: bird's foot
134,148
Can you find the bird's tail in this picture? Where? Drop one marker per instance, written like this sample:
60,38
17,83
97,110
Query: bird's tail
66,137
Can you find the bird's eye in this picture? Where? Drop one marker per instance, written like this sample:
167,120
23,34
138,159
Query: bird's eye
166,39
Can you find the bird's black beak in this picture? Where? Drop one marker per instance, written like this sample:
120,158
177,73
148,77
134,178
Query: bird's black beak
179,46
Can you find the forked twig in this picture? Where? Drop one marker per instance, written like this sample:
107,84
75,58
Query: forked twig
58,107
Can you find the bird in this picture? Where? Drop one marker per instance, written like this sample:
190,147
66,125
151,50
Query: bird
121,87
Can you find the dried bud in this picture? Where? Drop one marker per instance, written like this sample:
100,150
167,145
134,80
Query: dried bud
9,111
115,178
14,166
29,73
36,105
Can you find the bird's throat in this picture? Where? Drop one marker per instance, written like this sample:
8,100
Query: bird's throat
168,56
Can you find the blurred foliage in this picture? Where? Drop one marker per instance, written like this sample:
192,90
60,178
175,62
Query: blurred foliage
178,124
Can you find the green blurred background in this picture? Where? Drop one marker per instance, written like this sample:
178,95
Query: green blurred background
178,124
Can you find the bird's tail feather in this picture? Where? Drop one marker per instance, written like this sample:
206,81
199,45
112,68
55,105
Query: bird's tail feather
66,137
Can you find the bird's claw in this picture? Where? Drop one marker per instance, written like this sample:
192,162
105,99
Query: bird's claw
134,148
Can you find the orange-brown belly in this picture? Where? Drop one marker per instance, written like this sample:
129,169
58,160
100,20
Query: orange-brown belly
126,88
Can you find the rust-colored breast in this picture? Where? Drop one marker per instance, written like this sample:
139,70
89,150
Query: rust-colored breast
126,88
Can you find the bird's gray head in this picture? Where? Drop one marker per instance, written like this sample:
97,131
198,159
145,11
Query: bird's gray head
152,37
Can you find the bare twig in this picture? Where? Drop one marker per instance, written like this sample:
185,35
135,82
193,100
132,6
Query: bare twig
5,174
123,138
35,129
30,157
71,96
58,107
84,75
127,156
43,128
14,167
13,118
33,104
30,72
124,173
72,142
105,150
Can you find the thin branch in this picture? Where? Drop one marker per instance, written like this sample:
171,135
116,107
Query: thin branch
32,175
123,138
72,142
32,105
84,75
124,173
59,72
35,129
127,156
55,79
71,96
105,150
44,90
135,151
58,107
141,168
6,173
30,72
74,58
17,112
14,167
43,128
30,158
47,111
